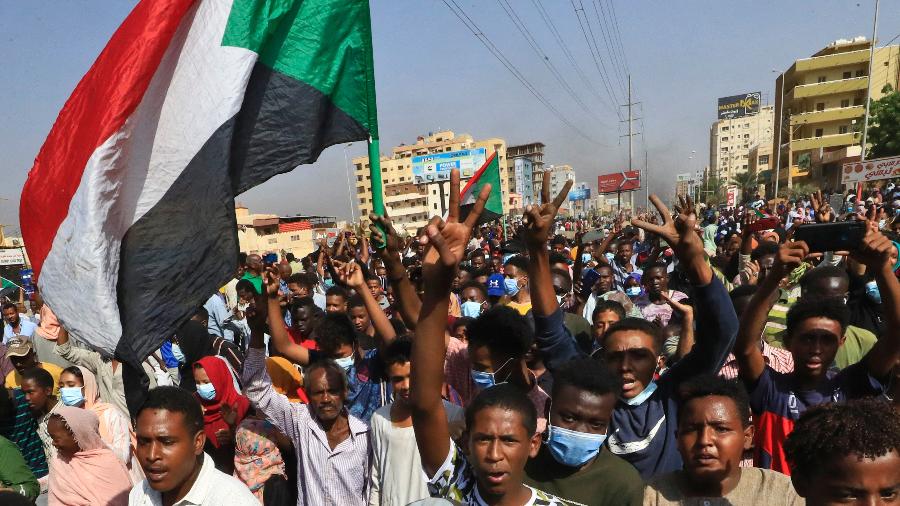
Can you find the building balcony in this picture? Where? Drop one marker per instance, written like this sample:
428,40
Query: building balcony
826,141
398,212
827,88
832,60
835,114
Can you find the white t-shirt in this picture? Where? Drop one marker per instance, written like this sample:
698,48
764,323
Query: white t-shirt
397,477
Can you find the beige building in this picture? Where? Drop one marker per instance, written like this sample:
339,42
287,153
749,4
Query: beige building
824,106
730,142
396,169
559,174
269,233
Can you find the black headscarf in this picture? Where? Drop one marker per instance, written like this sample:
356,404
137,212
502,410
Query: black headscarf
196,343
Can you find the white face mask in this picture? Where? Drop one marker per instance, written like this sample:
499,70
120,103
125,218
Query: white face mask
345,363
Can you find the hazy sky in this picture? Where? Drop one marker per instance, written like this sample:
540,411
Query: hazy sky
432,73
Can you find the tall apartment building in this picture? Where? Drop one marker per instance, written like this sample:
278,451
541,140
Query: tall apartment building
559,174
730,142
533,151
824,102
409,204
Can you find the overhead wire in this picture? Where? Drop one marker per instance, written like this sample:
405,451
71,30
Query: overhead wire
568,53
615,20
606,32
536,47
595,50
495,51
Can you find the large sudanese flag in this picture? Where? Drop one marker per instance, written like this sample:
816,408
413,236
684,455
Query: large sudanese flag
128,211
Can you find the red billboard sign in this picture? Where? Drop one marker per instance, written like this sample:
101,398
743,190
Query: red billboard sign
620,181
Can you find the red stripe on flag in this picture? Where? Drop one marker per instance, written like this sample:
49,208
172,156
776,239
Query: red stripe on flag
103,100
474,179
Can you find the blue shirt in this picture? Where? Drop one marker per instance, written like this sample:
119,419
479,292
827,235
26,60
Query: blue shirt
26,328
368,386
218,314
644,434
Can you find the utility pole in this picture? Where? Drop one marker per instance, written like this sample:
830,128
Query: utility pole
630,136
646,179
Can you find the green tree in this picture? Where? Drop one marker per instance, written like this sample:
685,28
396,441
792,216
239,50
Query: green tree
884,125
747,182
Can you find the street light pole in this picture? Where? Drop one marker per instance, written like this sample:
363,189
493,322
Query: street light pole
869,83
780,129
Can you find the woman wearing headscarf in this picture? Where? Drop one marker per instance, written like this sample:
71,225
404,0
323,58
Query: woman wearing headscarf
78,388
223,409
259,462
191,343
84,471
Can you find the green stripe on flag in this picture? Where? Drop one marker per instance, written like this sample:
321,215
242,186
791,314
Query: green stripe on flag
324,43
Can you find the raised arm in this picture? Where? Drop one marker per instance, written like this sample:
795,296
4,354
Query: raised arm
717,324
89,359
875,252
258,385
686,337
283,342
446,248
351,274
389,250
749,355
538,222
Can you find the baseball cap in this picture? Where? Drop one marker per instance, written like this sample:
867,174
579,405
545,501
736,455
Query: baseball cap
18,347
495,285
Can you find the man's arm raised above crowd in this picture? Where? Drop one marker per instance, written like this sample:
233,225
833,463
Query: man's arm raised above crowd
446,247
717,324
875,254
538,222
751,362
283,342
389,249
351,274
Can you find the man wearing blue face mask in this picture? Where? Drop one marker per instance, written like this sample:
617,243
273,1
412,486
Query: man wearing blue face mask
515,284
645,417
573,461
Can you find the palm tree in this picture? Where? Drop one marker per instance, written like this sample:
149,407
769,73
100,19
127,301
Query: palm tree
747,182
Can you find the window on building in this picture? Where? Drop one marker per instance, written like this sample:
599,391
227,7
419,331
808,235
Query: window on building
843,129
819,132
745,166
845,102
860,73
362,200
820,106
858,101
273,240
746,136
724,139
435,206
821,79
295,237
746,125
846,75
763,160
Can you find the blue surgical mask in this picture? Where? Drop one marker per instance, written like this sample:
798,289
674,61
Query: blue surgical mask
572,448
206,391
71,396
328,282
345,363
872,292
585,257
488,379
633,291
510,286
470,308
178,354
643,396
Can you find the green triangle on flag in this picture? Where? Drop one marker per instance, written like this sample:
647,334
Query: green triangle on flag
489,173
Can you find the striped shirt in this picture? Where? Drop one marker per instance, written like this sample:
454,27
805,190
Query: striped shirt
777,358
23,431
325,476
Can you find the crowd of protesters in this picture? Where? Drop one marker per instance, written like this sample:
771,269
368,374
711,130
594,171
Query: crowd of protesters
696,356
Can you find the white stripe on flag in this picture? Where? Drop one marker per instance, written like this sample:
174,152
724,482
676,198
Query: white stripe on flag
199,85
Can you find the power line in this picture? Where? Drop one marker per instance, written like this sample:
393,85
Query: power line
615,18
595,50
606,31
480,35
565,48
520,26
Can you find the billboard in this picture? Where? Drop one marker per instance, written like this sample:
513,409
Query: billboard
738,106
437,166
871,170
12,256
523,169
683,177
583,193
619,181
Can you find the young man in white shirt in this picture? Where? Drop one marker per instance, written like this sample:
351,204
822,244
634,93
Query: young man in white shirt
170,441
396,467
